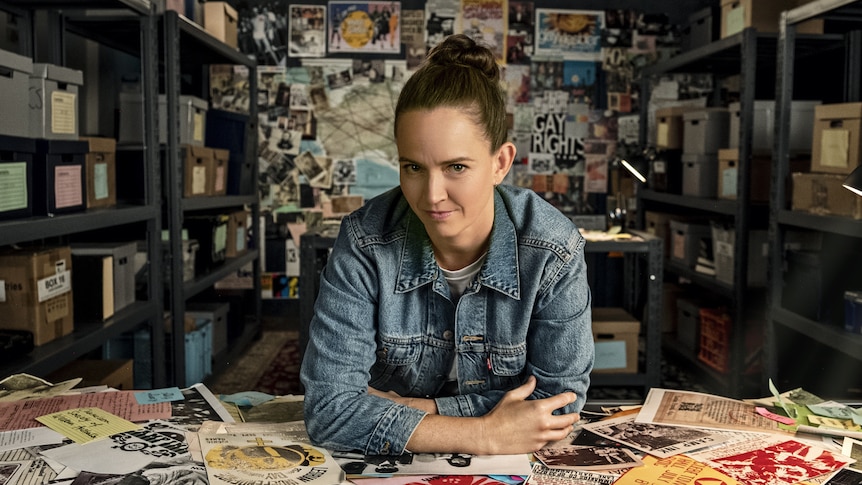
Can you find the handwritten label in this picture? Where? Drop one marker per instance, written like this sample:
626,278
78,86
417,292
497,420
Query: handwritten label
775,417
83,425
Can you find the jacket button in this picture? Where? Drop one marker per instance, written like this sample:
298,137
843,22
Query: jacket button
448,334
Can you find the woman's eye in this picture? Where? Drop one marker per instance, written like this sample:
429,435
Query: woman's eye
458,168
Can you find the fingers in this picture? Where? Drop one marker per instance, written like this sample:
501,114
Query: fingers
523,391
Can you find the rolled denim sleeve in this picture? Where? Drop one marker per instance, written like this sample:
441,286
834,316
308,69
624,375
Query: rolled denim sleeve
560,345
339,412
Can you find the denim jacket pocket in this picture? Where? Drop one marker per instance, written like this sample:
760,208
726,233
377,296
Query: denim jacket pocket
506,366
395,359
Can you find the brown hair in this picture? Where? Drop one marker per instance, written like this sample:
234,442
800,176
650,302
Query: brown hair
459,73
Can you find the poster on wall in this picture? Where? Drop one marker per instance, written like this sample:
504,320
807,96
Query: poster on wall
573,34
485,22
366,27
307,36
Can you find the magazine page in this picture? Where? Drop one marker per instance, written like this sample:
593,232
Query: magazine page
699,410
263,458
658,440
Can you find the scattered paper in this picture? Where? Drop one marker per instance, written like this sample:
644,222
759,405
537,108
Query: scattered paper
159,395
83,425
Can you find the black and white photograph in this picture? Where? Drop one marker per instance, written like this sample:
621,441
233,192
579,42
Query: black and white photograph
344,171
657,440
262,32
307,31
587,458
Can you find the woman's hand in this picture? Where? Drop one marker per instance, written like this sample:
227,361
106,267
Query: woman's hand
521,425
427,405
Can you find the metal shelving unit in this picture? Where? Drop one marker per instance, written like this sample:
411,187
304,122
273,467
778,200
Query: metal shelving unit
642,276
844,32
744,54
140,219
187,52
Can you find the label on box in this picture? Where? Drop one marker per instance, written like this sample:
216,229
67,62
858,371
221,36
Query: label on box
13,186
220,238
723,248
199,127
678,246
610,355
100,181
240,239
734,21
728,182
2,291
56,309
199,180
63,113
662,133
68,191
54,285
219,179
659,166
835,148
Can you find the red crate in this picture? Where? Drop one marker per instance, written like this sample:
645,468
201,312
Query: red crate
714,348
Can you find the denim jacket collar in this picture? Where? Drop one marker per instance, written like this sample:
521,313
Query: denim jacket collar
500,271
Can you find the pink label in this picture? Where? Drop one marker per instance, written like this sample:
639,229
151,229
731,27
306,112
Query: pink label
68,190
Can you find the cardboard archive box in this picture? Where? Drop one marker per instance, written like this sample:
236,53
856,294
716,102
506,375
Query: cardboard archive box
763,15
698,174
823,193
93,282
14,94
197,170
37,295
728,173
763,131
101,163
16,176
220,20
114,373
217,314
59,177
219,175
230,131
237,234
54,102
836,143
669,127
706,130
615,333
123,254
192,118
685,241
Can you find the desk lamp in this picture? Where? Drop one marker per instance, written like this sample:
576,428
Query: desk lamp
853,182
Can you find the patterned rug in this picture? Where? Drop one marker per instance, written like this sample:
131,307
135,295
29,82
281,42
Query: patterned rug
270,362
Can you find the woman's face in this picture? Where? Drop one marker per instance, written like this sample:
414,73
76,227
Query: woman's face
448,175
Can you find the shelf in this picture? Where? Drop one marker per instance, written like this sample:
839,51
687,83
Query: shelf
85,338
230,266
642,245
849,11
700,279
217,202
716,206
198,47
844,226
141,7
33,228
831,336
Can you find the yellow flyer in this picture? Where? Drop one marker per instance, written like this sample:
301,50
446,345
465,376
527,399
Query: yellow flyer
83,425
675,469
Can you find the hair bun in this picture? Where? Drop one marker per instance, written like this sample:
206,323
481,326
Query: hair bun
459,49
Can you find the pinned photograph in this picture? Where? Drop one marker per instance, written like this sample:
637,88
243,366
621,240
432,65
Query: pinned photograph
369,27
307,37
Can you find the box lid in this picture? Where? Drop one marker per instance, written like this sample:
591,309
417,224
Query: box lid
728,154
100,145
673,111
116,249
699,157
229,11
17,144
705,113
61,147
196,151
613,320
57,73
839,110
16,62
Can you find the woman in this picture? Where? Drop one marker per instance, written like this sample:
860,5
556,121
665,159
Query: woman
453,313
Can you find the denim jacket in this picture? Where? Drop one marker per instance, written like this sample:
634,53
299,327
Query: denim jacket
384,318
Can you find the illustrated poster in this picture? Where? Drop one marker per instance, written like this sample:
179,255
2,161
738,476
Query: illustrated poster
367,27
574,34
